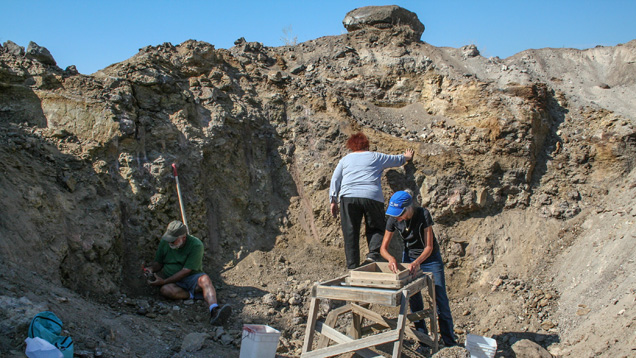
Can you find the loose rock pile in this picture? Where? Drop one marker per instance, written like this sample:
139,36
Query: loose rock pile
514,158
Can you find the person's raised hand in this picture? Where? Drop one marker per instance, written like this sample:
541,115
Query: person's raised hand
408,154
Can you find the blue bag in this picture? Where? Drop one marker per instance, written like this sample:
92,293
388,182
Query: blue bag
47,326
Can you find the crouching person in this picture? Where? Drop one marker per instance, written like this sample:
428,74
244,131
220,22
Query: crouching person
178,271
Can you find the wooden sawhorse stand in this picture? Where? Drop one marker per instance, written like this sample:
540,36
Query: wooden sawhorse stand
397,328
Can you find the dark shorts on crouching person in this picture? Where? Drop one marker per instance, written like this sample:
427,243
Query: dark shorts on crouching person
190,284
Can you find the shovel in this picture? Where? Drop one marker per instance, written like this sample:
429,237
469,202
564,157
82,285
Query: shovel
176,178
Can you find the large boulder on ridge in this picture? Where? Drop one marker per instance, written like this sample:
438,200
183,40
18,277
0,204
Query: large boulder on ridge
40,54
383,17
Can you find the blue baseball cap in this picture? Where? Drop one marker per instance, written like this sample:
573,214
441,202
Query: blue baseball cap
398,202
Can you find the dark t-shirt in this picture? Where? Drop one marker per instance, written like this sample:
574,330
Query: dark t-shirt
412,232
189,256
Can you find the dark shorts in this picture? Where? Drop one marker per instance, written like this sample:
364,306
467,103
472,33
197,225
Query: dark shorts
190,284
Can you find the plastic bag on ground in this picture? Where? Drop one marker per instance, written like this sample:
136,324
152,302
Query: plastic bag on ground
40,348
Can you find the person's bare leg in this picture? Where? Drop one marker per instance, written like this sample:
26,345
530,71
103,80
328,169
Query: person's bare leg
174,292
220,314
209,293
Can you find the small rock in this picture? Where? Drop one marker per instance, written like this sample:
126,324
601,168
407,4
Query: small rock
295,300
528,348
498,282
83,354
452,352
298,69
226,339
547,324
218,333
270,300
193,342
582,311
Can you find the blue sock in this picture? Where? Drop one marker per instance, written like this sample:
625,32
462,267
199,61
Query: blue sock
212,306
191,296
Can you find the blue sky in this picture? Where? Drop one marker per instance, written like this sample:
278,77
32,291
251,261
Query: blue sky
93,34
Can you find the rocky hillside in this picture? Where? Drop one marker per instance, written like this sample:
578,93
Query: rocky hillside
526,163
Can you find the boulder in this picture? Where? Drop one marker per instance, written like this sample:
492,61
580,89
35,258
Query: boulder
40,54
527,348
383,17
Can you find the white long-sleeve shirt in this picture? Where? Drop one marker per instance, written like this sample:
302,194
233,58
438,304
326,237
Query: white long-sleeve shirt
359,175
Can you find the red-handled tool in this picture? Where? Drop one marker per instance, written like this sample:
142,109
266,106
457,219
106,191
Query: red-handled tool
150,276
176,178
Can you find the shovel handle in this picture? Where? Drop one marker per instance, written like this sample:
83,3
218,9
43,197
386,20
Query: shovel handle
174,169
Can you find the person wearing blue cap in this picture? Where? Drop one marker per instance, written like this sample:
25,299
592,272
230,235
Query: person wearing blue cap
357,184
421,251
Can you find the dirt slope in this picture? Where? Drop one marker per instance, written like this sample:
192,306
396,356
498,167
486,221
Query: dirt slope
526,163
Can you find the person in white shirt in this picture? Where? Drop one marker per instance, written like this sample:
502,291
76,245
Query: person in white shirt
356,192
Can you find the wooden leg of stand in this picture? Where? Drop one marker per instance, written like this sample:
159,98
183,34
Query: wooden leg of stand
356,325
434,321
401,322
310,331
330,321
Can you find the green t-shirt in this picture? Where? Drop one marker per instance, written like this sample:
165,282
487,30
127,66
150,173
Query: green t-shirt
190,256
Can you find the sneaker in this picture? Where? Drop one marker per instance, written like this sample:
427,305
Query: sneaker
371,258
367,261
220,314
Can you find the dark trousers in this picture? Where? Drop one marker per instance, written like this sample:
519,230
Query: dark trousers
435,265
351,212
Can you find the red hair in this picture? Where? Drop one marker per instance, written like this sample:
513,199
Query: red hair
357,142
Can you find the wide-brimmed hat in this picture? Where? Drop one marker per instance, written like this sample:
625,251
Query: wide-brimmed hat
175,230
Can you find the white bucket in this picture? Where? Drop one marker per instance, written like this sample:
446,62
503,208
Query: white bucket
480,347
259,341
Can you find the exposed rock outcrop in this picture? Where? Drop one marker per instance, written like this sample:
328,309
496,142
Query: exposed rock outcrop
40,54
512,156
13,49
